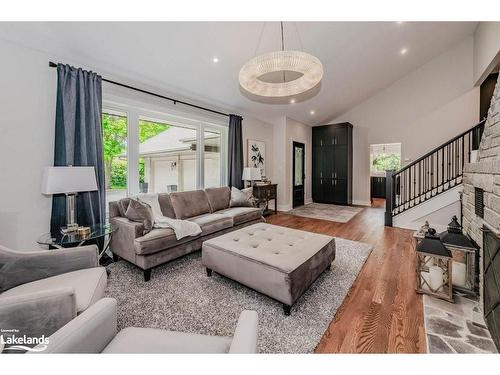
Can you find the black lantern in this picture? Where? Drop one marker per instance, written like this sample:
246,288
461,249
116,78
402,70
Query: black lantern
434,268
464,255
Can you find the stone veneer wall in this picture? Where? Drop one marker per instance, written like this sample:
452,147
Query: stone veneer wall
484,174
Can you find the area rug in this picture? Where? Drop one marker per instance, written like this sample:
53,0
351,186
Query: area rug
180,297
331,212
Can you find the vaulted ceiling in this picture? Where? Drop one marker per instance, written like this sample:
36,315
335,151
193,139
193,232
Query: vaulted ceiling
359,58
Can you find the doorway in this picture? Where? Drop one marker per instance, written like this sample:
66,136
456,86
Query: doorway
298,191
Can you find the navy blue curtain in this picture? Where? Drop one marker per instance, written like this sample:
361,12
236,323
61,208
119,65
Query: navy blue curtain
235,152
78,141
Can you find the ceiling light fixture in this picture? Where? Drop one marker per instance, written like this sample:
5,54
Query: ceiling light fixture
292,101
312,112
403,51
215,59
297,71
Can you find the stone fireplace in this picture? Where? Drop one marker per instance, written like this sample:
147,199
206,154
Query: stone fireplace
481,207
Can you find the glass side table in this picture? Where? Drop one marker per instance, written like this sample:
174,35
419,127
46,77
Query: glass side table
102,232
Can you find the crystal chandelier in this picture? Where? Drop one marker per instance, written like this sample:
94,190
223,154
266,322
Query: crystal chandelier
281,74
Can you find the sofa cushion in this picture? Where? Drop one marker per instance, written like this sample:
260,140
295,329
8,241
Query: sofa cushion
88,284
151,340
241,198
157,240
188,204
140,212
123,205
218,198
211,223
241,214
166,205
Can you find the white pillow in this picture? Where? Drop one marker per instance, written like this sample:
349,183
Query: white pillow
152,200
241,198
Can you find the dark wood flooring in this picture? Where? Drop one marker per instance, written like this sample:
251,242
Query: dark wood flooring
382,313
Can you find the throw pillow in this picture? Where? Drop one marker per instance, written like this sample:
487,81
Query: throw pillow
241,198
140,212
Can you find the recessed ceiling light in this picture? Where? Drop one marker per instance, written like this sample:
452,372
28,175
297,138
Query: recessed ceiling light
399,22
215,59
403,51
312,112
292,101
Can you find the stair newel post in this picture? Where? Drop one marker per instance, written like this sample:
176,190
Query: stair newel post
390,183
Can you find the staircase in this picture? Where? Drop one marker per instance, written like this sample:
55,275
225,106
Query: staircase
431,175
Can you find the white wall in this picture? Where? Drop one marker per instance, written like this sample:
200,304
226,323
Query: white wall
486,49
422,110
255,129
28,99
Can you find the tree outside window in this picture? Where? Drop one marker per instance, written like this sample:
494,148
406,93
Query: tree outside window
115,131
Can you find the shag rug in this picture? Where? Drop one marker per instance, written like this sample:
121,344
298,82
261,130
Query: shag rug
180,297
331,212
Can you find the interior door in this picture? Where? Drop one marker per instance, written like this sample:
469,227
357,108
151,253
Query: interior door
298,174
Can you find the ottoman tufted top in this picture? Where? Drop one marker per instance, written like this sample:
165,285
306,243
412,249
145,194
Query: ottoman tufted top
278,247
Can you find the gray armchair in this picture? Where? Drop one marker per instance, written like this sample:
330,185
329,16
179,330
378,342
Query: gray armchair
94,331
40,291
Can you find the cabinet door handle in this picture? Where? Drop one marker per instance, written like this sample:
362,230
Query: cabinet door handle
321,174
321,142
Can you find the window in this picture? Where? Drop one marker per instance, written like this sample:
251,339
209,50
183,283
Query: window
212,158
385,157
150,151
167,157
114,134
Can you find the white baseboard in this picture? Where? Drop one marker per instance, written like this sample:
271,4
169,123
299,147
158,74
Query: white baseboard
284,207
308,200
361,203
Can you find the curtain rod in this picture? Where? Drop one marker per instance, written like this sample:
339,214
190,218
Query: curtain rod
175,101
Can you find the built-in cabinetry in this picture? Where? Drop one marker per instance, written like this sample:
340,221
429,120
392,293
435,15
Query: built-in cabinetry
332,163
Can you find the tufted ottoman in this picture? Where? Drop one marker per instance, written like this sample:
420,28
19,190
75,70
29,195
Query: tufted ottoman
279,262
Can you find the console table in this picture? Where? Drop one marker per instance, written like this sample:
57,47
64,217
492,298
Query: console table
264,193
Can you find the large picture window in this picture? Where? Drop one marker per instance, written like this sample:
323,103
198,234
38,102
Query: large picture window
151,152
115,131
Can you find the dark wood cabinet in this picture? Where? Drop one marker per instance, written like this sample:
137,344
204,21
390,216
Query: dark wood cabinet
377,187
332,163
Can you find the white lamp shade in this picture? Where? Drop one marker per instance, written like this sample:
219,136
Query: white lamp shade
251,174
58,180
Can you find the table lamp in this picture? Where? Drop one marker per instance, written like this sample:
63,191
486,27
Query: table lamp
69,181
251,174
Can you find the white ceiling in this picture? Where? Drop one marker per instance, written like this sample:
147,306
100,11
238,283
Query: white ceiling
359,58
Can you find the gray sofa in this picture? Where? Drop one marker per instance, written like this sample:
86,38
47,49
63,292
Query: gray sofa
42,290
209,208
95,331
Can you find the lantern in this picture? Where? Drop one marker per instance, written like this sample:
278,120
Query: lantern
464,255
434,268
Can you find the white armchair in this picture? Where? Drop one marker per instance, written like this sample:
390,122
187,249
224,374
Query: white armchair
40,291
94,331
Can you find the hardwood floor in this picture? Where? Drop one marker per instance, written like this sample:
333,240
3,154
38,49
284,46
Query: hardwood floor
382,313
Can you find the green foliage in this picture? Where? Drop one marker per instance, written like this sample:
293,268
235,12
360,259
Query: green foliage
386,162
114,131
119,174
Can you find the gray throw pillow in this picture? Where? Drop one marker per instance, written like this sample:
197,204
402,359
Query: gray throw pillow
241,198
142,213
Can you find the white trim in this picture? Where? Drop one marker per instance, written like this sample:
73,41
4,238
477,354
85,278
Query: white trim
308,201
284,207
361,203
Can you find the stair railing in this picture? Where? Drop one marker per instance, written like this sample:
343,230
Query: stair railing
432,174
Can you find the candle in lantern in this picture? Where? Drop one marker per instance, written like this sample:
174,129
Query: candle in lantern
436,278
458,272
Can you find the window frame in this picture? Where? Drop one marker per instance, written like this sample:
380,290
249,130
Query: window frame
136,111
